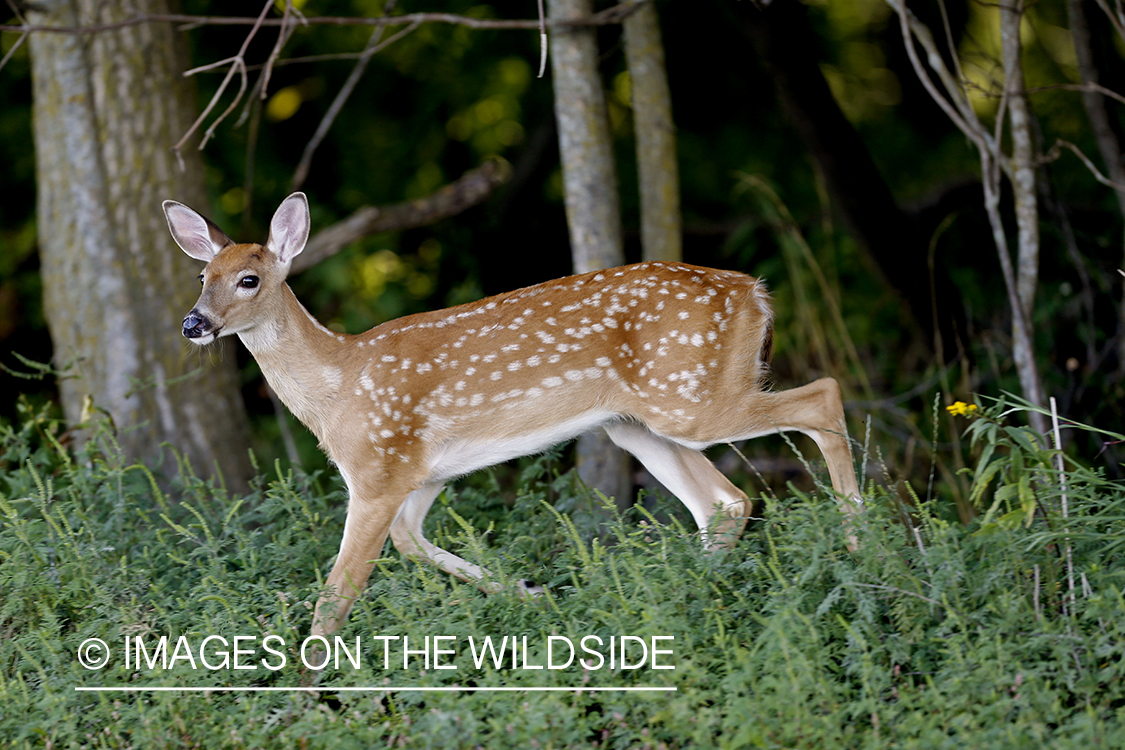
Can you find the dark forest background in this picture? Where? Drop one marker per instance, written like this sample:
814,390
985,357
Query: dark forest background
808,153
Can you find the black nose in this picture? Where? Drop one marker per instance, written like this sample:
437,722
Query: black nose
195,325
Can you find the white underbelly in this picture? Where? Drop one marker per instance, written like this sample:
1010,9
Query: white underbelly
464,455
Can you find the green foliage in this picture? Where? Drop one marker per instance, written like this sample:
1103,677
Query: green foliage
1026,479
942,636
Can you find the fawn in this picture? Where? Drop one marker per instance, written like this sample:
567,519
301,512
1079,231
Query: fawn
667,358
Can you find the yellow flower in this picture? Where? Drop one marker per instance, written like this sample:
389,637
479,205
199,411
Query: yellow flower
961,409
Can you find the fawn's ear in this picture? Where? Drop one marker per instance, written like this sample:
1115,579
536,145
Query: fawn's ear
195,234
289,229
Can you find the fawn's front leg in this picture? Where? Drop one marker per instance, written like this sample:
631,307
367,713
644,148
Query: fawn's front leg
365,532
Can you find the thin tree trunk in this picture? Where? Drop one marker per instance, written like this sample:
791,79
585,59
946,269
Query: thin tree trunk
956,105
1022,175
589,175
592,205
658,173
1023,158
107,108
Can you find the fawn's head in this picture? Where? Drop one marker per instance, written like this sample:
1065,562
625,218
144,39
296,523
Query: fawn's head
240,280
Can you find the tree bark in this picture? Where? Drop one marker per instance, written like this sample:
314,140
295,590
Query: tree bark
589,174
1022,176
107,108
1023,158
655,132
592,205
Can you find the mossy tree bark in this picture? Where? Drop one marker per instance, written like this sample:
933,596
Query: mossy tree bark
593,209
657,170
107,108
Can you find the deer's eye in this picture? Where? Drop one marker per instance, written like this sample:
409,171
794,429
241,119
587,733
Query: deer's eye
201,279
248,282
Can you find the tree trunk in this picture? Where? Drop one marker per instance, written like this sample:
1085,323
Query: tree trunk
107,108
1023,159
592,205
658,173
1023,164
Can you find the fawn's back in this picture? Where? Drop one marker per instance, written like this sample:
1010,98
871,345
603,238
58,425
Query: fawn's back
664,344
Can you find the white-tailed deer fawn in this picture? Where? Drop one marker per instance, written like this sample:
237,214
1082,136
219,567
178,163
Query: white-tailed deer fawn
667,358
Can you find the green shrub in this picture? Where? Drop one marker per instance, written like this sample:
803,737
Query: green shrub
940,635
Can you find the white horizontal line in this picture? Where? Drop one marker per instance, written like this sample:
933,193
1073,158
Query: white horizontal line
334,689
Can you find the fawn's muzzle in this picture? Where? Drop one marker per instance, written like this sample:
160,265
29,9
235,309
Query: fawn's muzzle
195,325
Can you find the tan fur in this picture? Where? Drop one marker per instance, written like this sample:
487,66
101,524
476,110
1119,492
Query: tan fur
667,357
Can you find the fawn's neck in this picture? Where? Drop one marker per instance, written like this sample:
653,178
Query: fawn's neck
301,360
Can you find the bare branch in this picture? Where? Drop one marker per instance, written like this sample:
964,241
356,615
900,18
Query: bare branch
15,8
612,15
470,189
373,46
23,38
12,6
282,37
1086,88
1115,18
957,106
238,64
949,43
1054,153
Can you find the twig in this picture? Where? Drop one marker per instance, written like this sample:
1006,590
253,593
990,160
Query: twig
901,398
612,15
766,487
373,46
1088,87
16,46
237,64
15,8
282,38
918,539
1053,154
950,44
12,6
1065,502
1114,18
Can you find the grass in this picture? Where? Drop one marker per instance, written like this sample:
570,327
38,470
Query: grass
941,635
